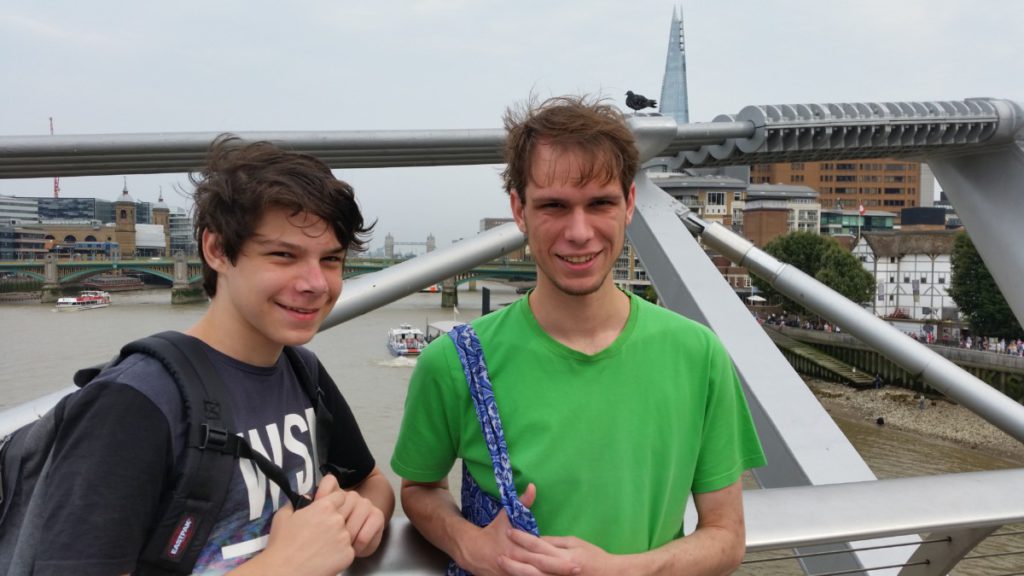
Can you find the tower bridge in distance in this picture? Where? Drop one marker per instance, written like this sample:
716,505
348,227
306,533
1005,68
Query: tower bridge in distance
186,274
389,245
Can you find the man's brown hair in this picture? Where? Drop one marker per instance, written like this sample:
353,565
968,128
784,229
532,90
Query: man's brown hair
587,126
242,180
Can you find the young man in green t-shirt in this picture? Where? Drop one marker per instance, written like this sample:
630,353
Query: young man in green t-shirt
614,410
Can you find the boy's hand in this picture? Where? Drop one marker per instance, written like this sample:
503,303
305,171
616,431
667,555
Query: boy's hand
314,540
364,522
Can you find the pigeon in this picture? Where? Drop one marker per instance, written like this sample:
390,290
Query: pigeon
639,101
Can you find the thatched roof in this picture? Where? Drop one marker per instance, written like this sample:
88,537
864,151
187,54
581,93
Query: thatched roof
897,243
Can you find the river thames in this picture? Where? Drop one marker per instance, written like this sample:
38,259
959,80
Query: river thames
42,349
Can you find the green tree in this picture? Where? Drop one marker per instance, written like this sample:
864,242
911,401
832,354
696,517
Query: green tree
822,258
976,294
650,294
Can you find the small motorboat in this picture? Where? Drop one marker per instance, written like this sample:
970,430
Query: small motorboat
406,340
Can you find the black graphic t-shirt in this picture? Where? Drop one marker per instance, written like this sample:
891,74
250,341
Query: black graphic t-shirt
118,455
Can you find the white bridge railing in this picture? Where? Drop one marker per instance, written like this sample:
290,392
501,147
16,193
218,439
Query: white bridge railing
781,519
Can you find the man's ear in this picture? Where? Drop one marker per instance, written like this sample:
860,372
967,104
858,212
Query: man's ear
518,210
630,203
213,251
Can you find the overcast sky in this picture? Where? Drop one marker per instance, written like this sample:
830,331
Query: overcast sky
243,65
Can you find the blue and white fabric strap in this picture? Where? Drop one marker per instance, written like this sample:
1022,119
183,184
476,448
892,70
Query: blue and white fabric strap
467,344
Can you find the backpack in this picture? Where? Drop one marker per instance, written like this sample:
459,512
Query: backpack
213,449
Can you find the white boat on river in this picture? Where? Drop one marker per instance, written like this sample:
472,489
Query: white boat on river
406,340
86,300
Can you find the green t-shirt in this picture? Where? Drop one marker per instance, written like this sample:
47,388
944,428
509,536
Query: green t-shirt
614,442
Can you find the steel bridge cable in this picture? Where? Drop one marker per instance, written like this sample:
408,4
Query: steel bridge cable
846,550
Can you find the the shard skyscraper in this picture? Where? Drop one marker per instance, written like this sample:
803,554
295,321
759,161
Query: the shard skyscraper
673,87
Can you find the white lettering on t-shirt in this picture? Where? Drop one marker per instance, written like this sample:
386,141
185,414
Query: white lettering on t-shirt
311,426
304,477
274,433
256,484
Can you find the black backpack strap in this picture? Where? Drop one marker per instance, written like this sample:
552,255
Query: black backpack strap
212,451
182,531
324,419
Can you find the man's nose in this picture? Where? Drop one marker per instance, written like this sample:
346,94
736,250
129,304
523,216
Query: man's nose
578,228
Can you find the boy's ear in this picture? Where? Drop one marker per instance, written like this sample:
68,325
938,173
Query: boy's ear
213,251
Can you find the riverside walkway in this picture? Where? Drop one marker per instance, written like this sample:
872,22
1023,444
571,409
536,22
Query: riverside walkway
844,358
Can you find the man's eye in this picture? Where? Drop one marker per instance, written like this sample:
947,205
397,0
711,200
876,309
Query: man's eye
281,254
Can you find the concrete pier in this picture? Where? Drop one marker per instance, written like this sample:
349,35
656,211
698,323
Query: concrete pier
449,293
51,286
181,291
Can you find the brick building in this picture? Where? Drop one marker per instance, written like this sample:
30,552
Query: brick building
878,185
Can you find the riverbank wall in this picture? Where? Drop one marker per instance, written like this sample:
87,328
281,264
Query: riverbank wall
1001,371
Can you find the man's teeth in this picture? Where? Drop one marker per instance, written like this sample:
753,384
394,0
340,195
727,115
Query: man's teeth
577,259
301,310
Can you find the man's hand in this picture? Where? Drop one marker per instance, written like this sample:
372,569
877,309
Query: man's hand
498,542
588,558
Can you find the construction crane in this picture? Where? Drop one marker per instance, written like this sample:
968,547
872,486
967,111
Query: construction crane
56,179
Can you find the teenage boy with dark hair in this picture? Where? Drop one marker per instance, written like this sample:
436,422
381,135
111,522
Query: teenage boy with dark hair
274,228
614,410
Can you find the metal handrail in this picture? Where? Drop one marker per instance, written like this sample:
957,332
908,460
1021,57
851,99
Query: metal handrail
757,134
786,518
782,518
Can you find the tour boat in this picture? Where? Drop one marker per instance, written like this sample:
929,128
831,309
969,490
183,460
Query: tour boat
406,341
86,300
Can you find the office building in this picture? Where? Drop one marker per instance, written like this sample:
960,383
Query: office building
17,210
878,185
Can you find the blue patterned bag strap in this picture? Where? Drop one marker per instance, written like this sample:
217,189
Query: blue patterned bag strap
479,507
467,344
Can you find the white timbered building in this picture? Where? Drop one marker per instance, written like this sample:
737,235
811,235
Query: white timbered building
912,271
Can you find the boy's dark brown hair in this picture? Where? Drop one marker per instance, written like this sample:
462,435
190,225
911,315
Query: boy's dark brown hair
595,130
242,180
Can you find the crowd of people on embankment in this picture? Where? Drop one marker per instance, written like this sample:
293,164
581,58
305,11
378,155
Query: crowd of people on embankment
1009,346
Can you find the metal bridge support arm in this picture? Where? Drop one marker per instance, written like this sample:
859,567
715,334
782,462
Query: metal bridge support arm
783,407
987,189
